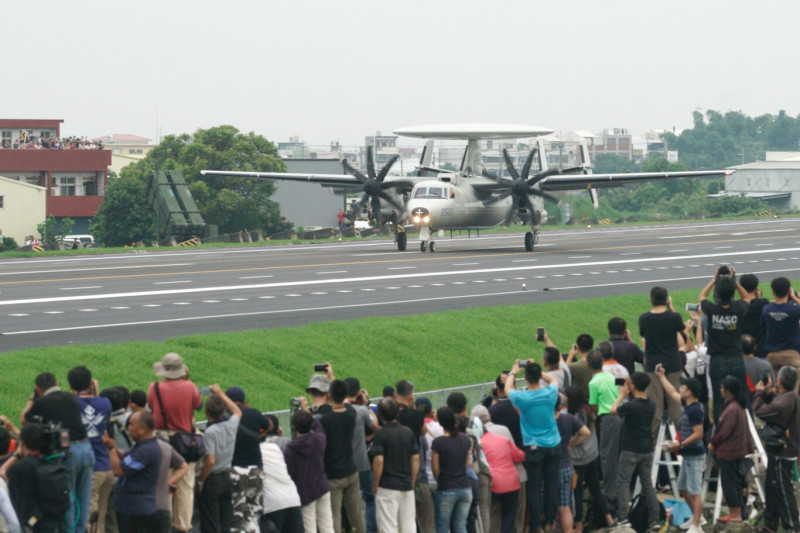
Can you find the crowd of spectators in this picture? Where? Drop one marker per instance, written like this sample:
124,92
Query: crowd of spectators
31,142
585,423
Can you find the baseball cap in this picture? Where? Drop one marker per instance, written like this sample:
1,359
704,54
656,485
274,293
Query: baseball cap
319,382
236,394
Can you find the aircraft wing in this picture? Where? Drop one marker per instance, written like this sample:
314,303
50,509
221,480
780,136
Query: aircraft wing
331,180
326,180
566,182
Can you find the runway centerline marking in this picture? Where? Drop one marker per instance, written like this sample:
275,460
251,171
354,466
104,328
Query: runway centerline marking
416,275
80,288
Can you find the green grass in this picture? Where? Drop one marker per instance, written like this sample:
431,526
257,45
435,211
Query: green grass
437,350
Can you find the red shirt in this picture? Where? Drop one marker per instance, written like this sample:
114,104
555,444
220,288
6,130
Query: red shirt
180,398
501,454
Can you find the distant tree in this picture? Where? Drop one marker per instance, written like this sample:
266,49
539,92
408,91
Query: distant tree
52,231
233,204
124,216
449,166
610,163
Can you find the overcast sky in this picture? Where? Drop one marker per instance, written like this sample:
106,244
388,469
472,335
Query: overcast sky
341,70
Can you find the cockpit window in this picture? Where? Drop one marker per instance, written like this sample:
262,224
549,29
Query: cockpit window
433,192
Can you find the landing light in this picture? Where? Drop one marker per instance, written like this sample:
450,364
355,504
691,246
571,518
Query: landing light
416,219
426,219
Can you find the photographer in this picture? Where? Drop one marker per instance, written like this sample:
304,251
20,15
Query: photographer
305,462
49,404
366,425
541,439
780,318
247,483
95,412
659,329
22,485
779,407
724,332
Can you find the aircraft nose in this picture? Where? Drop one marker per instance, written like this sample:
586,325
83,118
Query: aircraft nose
420,215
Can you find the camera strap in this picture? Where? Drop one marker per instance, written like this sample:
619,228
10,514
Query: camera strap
161,406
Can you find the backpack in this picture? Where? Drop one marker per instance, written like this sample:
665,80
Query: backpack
52,488
639,515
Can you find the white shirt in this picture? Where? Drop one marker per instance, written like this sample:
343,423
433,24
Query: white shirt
280,491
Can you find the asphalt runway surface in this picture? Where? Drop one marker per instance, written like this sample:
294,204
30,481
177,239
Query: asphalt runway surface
158,295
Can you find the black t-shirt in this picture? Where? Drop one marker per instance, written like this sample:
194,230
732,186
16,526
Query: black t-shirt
724,328
627,353
452,461
59,406
637,416
25,497
339,427
413,419
751,325
247,451
660,332
503,413
396,443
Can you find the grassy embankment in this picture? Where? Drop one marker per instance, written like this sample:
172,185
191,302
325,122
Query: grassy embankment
439,350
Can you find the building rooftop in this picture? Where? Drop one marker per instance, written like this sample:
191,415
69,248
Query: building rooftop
122,138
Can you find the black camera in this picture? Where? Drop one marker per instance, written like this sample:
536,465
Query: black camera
295,403
56,437
321,367
724,270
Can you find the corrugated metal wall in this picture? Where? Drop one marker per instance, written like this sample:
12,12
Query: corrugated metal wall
309,204
23,208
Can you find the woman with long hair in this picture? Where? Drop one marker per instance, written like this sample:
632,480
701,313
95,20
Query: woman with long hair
450,458
586,461
732,444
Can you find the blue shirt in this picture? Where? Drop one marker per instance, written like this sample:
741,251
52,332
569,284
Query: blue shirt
136,490
781,321
95,412
537,416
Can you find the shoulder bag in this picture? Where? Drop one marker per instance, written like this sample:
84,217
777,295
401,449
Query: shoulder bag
188,444
774,437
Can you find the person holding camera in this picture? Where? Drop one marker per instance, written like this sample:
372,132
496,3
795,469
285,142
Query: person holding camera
541,439
779,407
174,412
95,412
340,466
603,390
659,329
366,426
724,332
49,404
305,462
636,455
23,489
247,484
781,319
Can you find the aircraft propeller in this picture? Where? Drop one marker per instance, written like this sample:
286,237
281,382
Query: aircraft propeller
522,186
373,184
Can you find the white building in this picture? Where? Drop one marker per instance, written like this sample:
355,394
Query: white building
22,208
776,180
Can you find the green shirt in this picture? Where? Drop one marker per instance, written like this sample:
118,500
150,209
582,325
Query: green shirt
603,392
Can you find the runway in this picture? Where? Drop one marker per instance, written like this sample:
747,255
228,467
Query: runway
158,295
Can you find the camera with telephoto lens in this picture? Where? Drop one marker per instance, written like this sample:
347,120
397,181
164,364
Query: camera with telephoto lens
56,437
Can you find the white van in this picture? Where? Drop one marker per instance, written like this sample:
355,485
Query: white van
86,241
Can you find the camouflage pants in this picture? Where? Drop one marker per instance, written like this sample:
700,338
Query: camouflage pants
248,488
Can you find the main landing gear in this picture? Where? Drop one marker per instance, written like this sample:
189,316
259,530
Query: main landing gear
531,238
430,246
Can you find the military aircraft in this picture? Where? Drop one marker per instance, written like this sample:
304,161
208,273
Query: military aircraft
471,197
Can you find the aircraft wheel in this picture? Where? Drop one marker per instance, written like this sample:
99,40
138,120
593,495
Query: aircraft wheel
432,247
401,242
529,242
422,246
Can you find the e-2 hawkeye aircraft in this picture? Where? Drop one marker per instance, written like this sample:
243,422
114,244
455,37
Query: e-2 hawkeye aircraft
472,197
